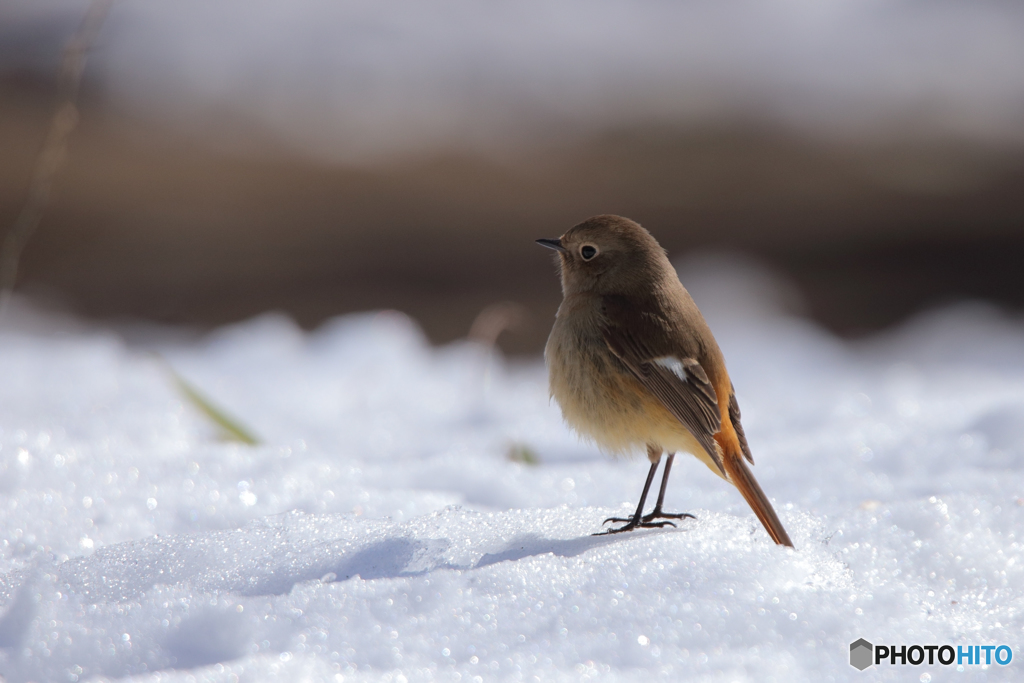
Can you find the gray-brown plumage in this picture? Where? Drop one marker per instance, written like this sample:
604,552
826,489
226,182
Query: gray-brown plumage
633,364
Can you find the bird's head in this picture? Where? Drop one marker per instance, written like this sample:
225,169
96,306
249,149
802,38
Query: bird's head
609,255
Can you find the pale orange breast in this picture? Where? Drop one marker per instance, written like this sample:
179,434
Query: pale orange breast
602,401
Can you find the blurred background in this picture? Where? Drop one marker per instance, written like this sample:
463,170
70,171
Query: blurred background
320,157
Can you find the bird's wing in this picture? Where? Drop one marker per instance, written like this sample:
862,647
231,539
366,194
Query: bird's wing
734,417
680,384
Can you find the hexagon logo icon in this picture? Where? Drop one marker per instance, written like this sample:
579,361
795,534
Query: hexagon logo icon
862,654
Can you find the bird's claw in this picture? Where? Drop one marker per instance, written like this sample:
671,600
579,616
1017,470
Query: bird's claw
647,520
658,514
617,519
632,524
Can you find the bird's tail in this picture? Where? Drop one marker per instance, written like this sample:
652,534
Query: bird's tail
743,478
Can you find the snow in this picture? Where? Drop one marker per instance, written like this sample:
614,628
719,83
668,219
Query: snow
382,533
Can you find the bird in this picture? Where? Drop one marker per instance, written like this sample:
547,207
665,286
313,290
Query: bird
633,365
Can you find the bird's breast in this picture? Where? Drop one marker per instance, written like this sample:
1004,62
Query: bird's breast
598,396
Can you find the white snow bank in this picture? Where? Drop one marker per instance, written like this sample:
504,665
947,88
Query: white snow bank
381,533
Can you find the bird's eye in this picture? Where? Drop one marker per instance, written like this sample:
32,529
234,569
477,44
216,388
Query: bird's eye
588,251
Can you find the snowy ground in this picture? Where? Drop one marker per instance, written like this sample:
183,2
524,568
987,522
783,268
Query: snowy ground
381,531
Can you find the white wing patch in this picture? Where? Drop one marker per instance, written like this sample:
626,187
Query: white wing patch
673,365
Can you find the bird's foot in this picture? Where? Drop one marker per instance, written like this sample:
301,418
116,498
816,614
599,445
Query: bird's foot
658,514
632,523
645,522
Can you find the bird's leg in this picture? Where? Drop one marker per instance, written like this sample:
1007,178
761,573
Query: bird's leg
637,520
657,512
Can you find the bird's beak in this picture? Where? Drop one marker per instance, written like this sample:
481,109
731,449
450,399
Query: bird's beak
552,244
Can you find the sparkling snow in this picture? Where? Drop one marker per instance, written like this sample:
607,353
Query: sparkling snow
382,533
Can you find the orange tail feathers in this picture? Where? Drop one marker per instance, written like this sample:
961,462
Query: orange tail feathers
743,478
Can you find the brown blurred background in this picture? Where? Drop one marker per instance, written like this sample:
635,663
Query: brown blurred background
211,213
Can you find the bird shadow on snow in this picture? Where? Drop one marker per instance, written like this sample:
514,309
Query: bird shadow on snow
408,557
386,559
532,545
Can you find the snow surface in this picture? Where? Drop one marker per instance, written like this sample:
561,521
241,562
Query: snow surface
381,533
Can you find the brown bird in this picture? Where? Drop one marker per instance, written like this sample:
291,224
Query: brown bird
634,365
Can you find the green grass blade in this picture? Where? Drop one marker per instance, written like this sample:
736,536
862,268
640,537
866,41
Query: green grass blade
230,426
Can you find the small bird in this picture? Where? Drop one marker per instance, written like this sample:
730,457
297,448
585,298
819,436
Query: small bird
633,364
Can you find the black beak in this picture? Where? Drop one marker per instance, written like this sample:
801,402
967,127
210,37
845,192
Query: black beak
552,244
